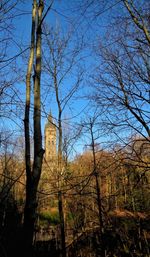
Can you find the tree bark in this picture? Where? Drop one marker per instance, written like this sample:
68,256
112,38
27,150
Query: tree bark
28,92
28,224
33,175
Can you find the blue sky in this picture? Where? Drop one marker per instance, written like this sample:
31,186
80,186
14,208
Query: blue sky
65,15
20,41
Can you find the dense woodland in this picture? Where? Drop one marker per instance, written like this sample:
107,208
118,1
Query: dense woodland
86,62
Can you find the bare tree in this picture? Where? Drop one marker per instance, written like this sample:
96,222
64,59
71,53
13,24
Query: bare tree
33,172
140,18
122,78
92,129
59,64
10,99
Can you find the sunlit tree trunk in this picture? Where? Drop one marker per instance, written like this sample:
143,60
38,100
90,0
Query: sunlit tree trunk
28,92
33,175
27,227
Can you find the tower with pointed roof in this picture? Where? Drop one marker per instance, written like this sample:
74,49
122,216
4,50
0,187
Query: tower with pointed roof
50,139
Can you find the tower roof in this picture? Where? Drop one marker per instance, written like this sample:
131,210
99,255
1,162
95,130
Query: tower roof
50,122
50,118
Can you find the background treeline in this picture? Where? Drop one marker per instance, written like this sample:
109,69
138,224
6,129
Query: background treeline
123,177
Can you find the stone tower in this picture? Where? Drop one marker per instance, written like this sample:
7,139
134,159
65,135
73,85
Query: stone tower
50,140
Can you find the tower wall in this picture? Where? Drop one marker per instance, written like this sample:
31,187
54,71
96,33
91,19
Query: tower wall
50,140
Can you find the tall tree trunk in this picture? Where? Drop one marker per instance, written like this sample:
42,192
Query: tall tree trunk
96,174
98,190
60,168
33,175
28,92
28,239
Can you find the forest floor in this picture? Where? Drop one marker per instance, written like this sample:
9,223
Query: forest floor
126,235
